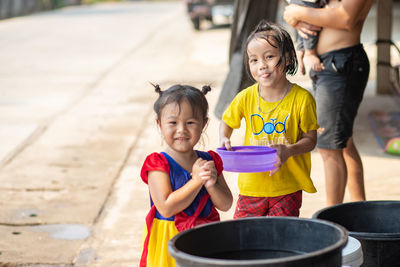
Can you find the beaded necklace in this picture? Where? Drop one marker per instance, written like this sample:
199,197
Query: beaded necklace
283,97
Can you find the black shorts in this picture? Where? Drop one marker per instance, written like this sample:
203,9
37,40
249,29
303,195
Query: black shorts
338,91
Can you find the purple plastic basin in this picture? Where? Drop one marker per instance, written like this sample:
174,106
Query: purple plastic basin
248,158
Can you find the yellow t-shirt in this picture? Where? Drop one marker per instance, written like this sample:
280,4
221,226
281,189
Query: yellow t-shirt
295,115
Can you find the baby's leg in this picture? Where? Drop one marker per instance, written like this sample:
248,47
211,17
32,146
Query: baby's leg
312,59
300,57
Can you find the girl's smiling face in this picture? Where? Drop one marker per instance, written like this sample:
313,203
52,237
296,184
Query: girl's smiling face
179,126
263,60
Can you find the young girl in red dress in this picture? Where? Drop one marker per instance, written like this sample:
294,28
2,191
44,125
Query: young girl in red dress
186,185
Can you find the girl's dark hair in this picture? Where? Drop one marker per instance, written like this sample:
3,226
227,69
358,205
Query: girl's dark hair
277,37
177,93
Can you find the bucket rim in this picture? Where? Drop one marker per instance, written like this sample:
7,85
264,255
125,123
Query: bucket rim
376,236
364,235
221,262
355,203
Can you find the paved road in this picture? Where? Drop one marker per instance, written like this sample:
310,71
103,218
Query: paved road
76,123
76,104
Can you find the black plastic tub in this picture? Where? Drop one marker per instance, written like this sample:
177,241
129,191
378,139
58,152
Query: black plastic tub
376,224
261,241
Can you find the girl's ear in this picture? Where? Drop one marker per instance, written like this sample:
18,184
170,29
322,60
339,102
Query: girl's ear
158,123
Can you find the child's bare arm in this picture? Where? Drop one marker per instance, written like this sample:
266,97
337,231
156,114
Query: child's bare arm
169,202
305,144
216,186
225,133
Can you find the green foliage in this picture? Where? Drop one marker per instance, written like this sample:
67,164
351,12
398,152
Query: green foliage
57,3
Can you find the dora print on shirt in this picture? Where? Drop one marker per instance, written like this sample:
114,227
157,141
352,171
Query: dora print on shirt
285,124
268,128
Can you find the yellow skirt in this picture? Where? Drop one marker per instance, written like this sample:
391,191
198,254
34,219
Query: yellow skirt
161,232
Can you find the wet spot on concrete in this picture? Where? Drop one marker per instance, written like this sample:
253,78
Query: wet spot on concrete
84,256
16,233
64,231
25,213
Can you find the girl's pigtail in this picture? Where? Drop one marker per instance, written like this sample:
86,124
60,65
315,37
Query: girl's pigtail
205,89
157,88
264,26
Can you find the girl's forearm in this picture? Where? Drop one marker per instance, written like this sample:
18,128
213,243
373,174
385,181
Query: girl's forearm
225,133
180,199
220,196
225,130
306,144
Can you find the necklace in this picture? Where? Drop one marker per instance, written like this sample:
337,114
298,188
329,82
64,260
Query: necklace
283,97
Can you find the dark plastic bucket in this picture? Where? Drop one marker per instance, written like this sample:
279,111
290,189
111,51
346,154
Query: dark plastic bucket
376,224
261,241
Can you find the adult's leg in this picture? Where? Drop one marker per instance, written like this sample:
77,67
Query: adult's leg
339,90
355,182
357,83
335,175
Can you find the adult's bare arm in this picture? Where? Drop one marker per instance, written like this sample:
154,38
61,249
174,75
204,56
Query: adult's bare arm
304,29
344,15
